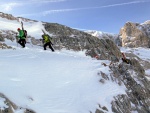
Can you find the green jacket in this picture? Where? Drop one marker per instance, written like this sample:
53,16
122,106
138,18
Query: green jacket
21,34
46,38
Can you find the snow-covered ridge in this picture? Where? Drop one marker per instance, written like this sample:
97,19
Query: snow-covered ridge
104,35
146,22
100,34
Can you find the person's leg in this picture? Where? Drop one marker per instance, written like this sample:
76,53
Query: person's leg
20,42
45,46
23,42
50,46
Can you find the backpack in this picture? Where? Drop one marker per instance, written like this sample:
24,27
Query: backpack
46,38
50,38
25,33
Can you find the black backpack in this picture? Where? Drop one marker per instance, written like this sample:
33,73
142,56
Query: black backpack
25,33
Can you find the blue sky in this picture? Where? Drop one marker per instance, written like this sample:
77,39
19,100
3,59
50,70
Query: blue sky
102,15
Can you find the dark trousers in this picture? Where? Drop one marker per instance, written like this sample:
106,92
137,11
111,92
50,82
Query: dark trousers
22,42
50,46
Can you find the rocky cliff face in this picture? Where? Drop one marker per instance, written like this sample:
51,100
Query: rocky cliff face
137,97
71,39
135,34
137,94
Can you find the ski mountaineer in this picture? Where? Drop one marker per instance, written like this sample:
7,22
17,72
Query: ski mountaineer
124,59
47,42
21,37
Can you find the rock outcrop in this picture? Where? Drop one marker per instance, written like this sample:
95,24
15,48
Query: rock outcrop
137,97
135,34
10,107
8,16
11,17
4,46
6,35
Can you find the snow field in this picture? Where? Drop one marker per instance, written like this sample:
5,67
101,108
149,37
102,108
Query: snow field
55,82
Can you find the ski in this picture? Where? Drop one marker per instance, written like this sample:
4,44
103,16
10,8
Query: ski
24,31
25,34
43,32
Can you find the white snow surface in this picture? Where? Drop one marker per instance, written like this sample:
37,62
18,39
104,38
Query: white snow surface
54,82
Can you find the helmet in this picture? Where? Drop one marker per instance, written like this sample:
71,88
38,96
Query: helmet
18,29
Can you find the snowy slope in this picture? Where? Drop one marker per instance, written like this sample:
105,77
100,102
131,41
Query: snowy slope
54,82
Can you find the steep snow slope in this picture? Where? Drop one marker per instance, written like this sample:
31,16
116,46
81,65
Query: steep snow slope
54,82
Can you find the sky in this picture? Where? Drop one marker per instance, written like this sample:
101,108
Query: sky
101,15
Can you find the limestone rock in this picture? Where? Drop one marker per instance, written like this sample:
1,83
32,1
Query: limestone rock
98,111
10,107
4,46
135,35
138,89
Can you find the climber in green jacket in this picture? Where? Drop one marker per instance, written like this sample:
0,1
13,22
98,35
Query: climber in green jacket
47,42
21,37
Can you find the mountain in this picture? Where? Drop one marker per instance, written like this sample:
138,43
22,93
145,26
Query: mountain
103,35
136,34
85,74
131,35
